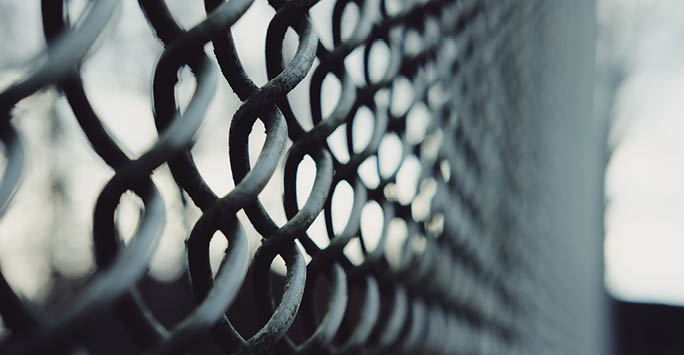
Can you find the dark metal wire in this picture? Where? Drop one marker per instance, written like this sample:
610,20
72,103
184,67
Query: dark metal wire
450,289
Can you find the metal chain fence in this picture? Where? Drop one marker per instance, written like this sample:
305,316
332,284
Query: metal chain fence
469,275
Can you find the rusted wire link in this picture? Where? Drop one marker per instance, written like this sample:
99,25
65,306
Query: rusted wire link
447,292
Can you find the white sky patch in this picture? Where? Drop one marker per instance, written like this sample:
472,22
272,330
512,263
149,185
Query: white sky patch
645,177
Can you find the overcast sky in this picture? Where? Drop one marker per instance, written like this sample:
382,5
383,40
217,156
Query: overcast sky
645,178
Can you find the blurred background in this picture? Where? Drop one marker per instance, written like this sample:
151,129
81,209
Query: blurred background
639,85
640,68
641,51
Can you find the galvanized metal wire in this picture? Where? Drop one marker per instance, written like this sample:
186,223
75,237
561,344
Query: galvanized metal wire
456,285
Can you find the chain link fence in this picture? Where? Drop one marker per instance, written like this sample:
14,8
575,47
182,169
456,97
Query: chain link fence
499,249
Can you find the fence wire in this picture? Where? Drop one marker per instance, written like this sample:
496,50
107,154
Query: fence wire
464,277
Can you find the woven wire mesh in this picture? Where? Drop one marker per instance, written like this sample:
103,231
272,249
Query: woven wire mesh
462,282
